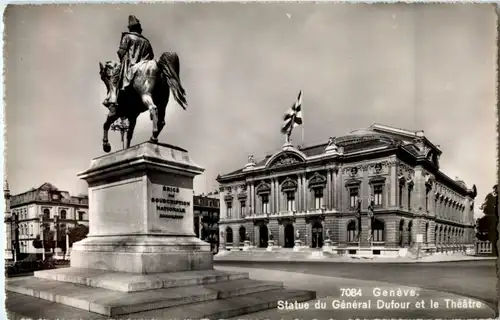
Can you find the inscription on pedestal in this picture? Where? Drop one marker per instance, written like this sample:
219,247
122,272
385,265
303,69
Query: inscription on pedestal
171,204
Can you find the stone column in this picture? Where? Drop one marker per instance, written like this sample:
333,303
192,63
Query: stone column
328,193
394,186
253,196
249,198
278,192
419,191
299,190
222,202
335,189
271,197
308,238
304,193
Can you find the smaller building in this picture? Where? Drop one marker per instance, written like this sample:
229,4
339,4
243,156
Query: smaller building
44,208
204,203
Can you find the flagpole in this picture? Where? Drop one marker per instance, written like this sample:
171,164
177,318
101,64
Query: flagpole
302,114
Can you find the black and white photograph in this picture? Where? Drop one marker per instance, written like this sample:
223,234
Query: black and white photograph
230,160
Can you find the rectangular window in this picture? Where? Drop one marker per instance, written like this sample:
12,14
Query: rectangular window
243,208
409,199
427,200
378,235
80,215
377,194
290,201
229,206
63,214
353,197
351,235
265,203
400,195
318,198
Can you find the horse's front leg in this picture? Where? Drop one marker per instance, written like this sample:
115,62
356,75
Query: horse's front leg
112,116
131,126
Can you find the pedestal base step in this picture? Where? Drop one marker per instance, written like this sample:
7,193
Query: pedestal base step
114,303
22,306
132,282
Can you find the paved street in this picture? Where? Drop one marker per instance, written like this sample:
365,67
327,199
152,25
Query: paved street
475,279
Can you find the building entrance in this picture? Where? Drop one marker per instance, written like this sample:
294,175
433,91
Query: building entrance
289,236
317,235
263,236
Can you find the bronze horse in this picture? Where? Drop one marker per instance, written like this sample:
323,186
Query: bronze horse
149,90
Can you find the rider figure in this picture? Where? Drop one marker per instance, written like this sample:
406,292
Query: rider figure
134,48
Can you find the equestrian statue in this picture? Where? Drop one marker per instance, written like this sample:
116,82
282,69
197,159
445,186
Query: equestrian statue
139,83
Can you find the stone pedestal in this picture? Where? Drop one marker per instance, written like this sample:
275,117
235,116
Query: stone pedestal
298,245
247,245
327,246
141,254
141,213
270,245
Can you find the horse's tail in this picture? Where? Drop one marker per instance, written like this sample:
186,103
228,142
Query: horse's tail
169,68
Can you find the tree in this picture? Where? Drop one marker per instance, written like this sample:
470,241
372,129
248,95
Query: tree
37,243
487,224
78,233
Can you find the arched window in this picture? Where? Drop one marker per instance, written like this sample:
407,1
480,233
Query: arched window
63,215
265,203
242,232
290,200
318,198
229,235
378,230
426,234
351,231
401,231
410,225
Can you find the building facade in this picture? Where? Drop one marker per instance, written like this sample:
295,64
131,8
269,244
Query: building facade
312,194
203,204
45,208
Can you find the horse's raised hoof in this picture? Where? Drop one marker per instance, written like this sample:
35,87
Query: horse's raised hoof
106,147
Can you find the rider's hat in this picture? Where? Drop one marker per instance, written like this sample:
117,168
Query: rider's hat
133,21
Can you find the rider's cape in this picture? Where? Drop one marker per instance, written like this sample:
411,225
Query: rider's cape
137,49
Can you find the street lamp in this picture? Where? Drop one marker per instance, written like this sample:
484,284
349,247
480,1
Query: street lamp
122,126
68,230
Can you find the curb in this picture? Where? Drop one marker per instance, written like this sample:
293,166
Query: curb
352,260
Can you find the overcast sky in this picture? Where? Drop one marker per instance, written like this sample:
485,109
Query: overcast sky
429,67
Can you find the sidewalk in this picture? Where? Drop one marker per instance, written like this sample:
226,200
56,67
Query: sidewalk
278,256
329,289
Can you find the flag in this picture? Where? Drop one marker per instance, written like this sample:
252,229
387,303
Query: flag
293,117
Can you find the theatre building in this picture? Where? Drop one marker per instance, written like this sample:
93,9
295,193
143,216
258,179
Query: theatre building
311,194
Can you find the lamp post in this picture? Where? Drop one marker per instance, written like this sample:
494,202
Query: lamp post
67,241
56,233
122,126
42,236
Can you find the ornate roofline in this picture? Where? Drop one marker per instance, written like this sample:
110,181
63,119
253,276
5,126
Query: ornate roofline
293,151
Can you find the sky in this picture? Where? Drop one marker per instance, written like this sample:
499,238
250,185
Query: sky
424,67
